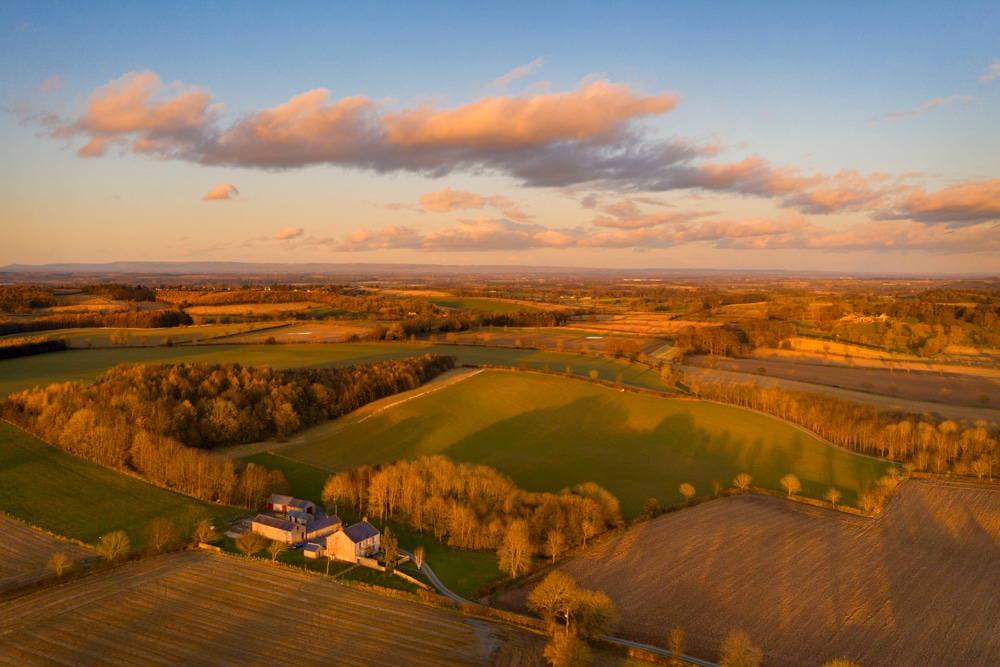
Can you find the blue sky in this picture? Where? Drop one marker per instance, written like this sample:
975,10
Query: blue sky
791,136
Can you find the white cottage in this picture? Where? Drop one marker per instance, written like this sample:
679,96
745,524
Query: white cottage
357,541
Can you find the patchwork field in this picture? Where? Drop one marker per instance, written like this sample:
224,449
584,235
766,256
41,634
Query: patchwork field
940,387
916,586
24,553
550,433
200,609
948,411
69,496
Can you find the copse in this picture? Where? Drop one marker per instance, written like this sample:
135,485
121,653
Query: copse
473,506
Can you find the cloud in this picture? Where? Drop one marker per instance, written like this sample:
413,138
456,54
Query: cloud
959,205
626,214
992,72
926,106
218,193
22,27
52,83
446,200
288,233
517,73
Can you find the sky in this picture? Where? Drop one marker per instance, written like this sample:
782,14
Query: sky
848,137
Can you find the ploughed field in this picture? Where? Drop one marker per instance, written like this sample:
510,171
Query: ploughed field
194,608
24,553
549,433
915,586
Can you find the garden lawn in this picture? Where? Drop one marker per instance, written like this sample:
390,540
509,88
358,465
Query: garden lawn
46,487
549,433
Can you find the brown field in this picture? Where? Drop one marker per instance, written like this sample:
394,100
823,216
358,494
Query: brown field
248,309
25,551
945,410
83,303
647,324
203,609
559,342
310,332
915,586
940,386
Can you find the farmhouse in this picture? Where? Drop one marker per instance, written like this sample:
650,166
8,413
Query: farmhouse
362,540
278,529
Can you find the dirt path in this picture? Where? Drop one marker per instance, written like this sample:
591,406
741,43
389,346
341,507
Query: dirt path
442,381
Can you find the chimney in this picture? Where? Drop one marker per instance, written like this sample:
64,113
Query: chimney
365,519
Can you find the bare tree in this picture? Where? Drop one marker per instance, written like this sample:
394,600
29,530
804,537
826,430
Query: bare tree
59,563
595,613
567,651
738,650
515,552
833,495
791,484
742,481
160,533
554,543
687,490
276,548
121,337
554,598
205,532
652,508
867,502
716,487
113,545
250,543
418,556
675,644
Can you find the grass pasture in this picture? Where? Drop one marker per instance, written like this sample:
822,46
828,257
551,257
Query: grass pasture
46,487
201,609
916,586
550,433
481,305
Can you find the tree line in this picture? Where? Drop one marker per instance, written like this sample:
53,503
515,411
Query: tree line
119,292
25,298
473,506
11,348
139,319
924,442
158,420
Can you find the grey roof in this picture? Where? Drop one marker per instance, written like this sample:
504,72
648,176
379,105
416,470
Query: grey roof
312,546
301,504
323,524
273,522
305,516
278,499
360,531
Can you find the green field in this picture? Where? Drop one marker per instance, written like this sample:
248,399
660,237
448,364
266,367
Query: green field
68,496
44,369
101,337
549,433
482,305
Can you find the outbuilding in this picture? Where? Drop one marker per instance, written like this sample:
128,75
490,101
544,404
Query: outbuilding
278,530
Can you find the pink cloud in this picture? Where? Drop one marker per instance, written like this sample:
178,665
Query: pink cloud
926,106
288,233
992,72
517,73
446,200
965,204
51,84
222,192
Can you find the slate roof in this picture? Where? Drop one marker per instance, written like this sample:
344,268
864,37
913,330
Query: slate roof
299,504
312,547
327,524
360,531
278,499
271,521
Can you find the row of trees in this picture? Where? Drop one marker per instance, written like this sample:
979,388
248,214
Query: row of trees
471,506
11,348
119,292
138,319
25,298
924,441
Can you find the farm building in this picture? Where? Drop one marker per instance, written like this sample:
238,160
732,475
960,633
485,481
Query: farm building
278,530
360,540
313,550
322,527
285,504
299,517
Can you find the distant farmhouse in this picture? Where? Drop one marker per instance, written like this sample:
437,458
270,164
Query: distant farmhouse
293,521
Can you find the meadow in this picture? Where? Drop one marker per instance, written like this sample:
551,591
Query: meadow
46,487
914,586
549,433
